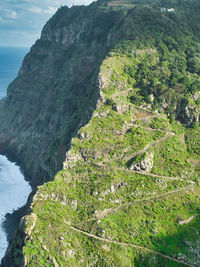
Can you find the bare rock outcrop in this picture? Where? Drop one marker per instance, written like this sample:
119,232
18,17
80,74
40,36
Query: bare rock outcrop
146,164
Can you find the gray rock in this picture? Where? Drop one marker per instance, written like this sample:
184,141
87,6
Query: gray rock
83,136
120,108
144,165
71,158
188,114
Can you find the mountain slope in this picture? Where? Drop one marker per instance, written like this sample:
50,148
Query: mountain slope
129,191
55,91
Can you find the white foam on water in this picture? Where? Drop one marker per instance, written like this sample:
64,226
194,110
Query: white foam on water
14,191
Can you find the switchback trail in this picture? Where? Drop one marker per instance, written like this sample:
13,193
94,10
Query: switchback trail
130,245
107,212
103,214
127,158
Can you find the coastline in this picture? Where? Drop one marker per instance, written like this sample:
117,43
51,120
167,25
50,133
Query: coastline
15,191
12,221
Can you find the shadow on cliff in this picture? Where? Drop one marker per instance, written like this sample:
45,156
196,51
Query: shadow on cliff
183,243
12,221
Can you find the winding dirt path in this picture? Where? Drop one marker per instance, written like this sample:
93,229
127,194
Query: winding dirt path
127,158
105,213
165,177
130,245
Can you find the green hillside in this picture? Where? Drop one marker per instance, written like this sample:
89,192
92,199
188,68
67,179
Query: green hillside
129,190
101,212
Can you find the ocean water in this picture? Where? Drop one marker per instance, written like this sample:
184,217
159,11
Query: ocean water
14,190
10,62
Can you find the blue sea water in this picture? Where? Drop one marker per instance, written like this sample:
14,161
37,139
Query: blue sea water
14,190
10,62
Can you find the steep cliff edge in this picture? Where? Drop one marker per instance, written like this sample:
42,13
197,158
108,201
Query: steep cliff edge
128,194
56,90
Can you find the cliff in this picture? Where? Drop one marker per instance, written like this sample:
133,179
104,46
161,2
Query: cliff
56,90
109,96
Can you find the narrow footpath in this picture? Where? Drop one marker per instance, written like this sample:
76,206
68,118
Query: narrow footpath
153,196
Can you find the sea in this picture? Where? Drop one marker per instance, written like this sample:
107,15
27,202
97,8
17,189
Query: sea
14,189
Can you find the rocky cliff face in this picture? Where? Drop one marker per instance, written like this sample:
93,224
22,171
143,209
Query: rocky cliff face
131,175
56,90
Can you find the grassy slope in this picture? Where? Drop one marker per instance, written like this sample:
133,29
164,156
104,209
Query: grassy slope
97,212
99,194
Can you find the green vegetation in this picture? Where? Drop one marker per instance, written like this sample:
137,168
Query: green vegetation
100,195
159,72
88,191
101,210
